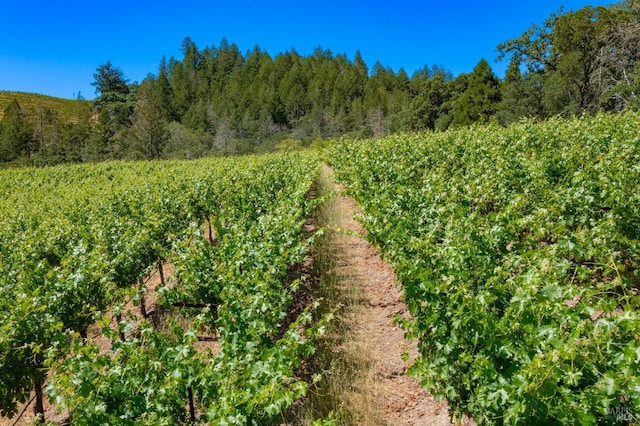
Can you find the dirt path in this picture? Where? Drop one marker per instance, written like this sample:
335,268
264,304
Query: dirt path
381,393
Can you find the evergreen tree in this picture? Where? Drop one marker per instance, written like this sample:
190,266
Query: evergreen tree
114,106
48,137
293,89
148,129
165,93
184,78
360,76
520,97
76,135
480,100
108,81
183,90
17,135
427,106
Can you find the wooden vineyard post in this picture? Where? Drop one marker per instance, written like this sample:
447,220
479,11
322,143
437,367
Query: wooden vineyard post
118,321
161,272
38,408
143,303
192,410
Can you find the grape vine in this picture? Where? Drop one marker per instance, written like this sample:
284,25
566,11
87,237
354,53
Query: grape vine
519,254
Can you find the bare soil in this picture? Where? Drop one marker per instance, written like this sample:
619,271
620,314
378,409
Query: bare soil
381,392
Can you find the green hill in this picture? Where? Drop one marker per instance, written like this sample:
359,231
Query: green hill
67,109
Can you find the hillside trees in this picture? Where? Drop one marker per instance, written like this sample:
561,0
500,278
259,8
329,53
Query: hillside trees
40,135
76,134
575,44
480,99
584,61
114,107
453,90
253,100
430,97
221,100
164,89
148,125
521,97
183,78
17,134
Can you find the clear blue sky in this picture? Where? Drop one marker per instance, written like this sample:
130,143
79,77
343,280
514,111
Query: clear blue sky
54,47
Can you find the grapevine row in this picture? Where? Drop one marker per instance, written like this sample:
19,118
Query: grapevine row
75,239
519,254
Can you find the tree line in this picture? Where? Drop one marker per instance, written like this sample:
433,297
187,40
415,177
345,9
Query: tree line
222,101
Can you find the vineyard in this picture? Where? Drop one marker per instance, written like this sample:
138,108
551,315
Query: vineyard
76,244
66,109
517,249
519,254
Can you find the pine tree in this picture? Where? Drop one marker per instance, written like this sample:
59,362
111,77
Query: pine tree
479,101
520,97
149,126
426,107
114,106
165,92
17,135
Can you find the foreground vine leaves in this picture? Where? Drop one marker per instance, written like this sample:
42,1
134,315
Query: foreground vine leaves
76,243
519,253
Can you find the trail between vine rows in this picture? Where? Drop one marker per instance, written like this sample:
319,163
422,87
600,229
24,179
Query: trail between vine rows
382,391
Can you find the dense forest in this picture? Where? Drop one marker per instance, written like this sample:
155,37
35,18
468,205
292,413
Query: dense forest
218,100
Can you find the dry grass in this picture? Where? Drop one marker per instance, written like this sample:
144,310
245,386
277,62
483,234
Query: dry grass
341,361
67,109
363,378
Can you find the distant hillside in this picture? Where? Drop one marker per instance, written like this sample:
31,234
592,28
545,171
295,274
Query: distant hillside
67,109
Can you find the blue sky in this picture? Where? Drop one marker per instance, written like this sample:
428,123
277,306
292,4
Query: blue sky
54,47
